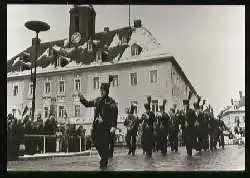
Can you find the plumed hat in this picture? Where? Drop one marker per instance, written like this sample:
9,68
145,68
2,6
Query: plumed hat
172,110
106,86
147,106
132,108
149,99
196,106
164,102
185,102
199,99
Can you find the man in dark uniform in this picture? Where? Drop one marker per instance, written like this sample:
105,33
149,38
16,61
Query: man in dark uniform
222,127
132,123
148,119
197,128
105,121
163,129
213,130
188,128
204,128
173,130
112,134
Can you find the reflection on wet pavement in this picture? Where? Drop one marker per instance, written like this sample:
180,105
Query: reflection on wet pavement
231,158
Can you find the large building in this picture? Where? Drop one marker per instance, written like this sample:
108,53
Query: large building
138,62
234,114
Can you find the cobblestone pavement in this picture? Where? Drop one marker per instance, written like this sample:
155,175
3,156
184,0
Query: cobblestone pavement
231,158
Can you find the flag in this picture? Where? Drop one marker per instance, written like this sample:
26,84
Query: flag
25,110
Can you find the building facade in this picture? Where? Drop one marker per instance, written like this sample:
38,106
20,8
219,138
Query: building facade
136,60
234,115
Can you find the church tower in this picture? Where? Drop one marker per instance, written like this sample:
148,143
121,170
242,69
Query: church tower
82,21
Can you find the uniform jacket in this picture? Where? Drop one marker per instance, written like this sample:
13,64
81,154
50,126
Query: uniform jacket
105,108
131,122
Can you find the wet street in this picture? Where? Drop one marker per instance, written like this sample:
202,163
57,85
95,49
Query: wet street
230,159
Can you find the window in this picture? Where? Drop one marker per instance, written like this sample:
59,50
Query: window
77,85
133,78
61,111
96,82
90,47
47,87
61,86
135,104
115,81
77,23
153,76
31,89
124,40
99,56
77,110
155,105
46,112
15,90
134,50
14,112
58,62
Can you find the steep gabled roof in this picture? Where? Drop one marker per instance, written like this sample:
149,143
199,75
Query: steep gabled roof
109,42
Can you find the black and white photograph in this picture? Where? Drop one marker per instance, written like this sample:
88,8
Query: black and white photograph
125,87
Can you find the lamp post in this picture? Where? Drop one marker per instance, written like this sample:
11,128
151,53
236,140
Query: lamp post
36,26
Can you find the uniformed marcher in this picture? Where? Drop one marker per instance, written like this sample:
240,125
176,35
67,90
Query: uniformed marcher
112,134
222,127
197,128
105,120
132,123
173,130
163,129
188,128
148,119
213,130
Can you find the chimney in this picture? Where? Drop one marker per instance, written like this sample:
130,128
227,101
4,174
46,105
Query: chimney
137,23
106,29
240,92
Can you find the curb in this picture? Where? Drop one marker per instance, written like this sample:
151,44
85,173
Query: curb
34,157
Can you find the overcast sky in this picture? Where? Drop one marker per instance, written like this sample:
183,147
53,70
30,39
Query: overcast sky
207,41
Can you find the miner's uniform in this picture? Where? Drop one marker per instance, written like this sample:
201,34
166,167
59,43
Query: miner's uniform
163,131
173,131
147,130
132,124
105,117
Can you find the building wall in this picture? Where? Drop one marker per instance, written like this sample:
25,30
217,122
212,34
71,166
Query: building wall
15,102
124,93
229,119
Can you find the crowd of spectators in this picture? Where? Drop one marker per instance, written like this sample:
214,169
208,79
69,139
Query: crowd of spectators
25,133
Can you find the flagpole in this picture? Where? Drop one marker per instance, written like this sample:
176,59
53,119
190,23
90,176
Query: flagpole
129,13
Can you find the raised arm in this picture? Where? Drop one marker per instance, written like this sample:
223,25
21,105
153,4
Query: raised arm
85,102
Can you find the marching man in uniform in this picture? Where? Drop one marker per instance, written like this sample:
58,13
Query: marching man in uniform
173,130
132,124
105,121
148,119
163,129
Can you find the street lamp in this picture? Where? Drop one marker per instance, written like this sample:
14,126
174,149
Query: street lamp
36,26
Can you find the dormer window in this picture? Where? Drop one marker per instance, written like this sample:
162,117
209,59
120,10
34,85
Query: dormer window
98,56
124,40
90,46
58,62
135,50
